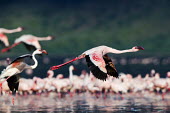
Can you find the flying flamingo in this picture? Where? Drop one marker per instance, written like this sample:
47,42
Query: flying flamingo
17,66
31,42
4,38
98,61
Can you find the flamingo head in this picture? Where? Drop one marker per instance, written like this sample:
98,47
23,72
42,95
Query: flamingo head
20,29
137,48
72,67
50,73
59,76
39,51
51,37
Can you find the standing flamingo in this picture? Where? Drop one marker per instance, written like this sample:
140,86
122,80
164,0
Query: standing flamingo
98,61
31,42
4,38
17,66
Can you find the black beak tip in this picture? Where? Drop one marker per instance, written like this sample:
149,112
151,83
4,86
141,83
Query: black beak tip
23,28
53,37
139,47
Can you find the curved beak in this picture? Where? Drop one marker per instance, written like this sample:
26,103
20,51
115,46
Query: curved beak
23,28
74,69
44,51
52,37
139,47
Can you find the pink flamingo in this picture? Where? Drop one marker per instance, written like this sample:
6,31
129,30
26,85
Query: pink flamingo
48,81
98,61
25,86
160,85
31,42
38,86
4,38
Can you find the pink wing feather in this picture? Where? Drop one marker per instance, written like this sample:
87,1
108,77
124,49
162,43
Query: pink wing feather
98,60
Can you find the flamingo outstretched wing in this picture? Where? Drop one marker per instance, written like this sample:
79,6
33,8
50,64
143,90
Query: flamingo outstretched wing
97,65
8,72
13,83
21,58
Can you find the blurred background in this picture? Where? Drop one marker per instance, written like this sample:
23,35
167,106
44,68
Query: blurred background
79,25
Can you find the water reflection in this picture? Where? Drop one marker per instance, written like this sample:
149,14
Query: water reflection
85,102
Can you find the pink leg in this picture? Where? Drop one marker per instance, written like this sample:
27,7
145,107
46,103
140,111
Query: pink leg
121,96
12,98
8,48
163,96
97,94
71,94
59,95
58,66
105,95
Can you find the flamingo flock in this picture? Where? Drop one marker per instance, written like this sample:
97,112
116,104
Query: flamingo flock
103,77
89,83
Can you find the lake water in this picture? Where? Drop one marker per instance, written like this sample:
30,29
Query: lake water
86,103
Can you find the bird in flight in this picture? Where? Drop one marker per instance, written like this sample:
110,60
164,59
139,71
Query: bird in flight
99,63
17,66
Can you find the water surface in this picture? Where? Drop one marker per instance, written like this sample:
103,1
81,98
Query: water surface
86,103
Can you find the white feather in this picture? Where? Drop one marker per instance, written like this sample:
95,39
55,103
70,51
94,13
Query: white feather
9,72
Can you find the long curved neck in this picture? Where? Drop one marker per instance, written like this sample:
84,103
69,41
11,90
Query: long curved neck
43,38
35,61
111,50
70,74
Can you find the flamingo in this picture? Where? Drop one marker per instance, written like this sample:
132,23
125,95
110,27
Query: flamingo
17,66
65,83
25,86
98,61
31,42
72,77
38,86
4,38
160,85
78,85
48,81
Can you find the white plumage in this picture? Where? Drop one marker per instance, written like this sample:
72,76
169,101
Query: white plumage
17,66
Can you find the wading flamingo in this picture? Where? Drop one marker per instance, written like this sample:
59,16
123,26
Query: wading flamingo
98,61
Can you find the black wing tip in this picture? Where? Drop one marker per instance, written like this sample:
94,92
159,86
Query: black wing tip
98,73
21,57
13,83
111,70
